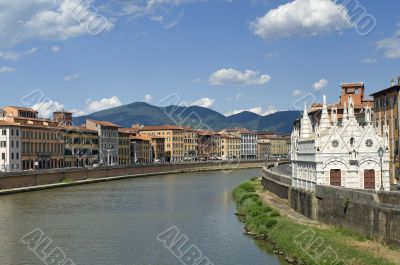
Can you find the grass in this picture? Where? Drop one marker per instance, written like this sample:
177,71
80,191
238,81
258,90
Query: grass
305,244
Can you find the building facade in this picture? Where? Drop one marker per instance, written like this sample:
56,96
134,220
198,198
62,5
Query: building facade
108,141
42,139
124,147
141,149
263,147
209,145
81,148
337,153
386,110
10,147
230,146
190,144
174,140
248,142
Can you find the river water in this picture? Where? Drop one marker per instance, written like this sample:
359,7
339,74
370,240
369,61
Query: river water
117,223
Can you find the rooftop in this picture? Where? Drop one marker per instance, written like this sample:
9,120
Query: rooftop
105,123
21,108
386,90
161,128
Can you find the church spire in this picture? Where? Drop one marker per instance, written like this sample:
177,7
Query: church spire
325,122
305,125
345,117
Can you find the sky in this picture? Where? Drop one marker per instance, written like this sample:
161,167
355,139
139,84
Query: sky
229,55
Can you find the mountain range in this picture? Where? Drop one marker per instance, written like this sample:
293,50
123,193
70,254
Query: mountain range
194,116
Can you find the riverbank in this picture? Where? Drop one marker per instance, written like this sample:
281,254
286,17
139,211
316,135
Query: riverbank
302,242
81,177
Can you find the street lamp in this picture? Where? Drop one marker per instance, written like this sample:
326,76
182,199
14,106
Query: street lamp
380,153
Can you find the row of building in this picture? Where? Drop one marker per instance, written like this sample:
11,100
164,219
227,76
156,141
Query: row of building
28,142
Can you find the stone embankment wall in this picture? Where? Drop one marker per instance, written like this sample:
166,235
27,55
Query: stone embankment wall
374,214
48,177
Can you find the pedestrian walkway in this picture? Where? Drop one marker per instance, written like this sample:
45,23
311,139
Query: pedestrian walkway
284,209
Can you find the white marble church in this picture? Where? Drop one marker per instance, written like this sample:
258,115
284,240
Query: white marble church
339,153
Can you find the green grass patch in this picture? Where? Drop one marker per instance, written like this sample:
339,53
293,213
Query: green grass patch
306,244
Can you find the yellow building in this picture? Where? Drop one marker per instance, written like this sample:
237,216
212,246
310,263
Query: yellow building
230,146
386,110
190,144
124,147
174,140
280,146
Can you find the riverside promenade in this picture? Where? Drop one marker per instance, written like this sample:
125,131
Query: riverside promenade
48,179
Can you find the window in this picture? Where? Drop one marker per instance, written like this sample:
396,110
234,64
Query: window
3,156
4,132
12,156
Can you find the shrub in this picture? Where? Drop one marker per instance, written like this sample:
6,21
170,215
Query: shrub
270,223
248,196
247,187
274,214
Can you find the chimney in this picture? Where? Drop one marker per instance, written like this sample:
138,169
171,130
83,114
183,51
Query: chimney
392,82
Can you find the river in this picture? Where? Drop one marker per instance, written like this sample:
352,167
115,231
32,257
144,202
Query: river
117,223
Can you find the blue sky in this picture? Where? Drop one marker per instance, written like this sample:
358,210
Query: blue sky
260,55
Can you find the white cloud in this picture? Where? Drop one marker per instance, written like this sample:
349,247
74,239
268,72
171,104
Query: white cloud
301,17
105,103
156,10
55,49
203,102
227,76
46,108
197,80
14,56
297,93
71,77
320,84
149,8
258,110
42,20
391,46
5,69
148,98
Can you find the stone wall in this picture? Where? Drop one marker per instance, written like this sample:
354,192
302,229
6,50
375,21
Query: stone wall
303,202
45,177
374,214
277,184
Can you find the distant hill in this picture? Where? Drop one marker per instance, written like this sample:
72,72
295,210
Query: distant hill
194,116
